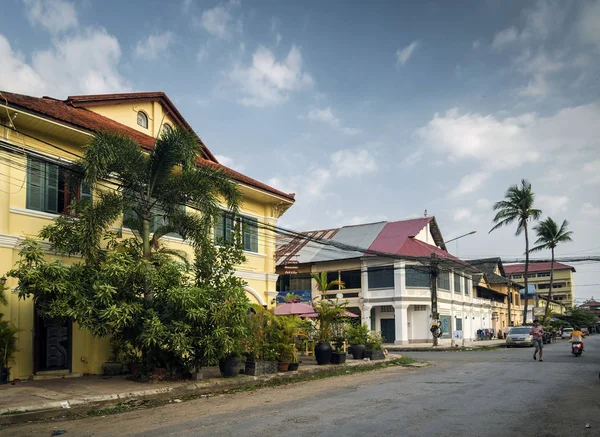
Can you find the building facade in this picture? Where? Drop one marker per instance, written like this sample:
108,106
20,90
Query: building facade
40,138
563,287
506,299
385,268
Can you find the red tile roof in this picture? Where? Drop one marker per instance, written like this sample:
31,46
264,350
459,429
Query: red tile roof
394,234
72,113
511,269
418,248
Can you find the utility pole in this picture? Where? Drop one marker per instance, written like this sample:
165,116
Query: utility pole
508,289
434,271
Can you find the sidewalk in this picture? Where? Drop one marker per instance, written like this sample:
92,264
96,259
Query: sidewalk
445,345
36,400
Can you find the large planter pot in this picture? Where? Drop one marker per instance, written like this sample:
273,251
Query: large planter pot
4,375
283,367
255,368
112,368
358,351
374,355
338,358
229,367
323,353
135,369
293,367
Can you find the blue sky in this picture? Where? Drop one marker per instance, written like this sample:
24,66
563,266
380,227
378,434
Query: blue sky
368,111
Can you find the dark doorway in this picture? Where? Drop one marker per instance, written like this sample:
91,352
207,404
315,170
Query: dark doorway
53,344
388,330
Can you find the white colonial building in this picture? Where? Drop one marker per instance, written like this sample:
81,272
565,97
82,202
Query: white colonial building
385,267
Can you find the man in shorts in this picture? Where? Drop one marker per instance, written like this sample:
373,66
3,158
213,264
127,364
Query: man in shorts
538,333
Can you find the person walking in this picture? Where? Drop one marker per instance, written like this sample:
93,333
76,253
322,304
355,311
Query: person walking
538,335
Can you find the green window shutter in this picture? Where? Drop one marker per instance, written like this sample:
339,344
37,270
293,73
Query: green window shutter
51,188
228,223
85,194
35,185
250,228
219,229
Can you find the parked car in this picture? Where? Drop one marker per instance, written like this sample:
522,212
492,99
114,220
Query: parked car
566,333
519,336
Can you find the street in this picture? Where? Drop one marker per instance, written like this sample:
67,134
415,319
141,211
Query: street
485,393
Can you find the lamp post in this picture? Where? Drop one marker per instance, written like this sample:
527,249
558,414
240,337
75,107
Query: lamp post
434,272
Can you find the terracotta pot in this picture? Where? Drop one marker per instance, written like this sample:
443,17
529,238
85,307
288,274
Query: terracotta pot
284,367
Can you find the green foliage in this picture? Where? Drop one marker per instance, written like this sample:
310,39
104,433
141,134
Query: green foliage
328,311
581,318
8,337
263,335
323,285
375,341
287,327
359,334
291,297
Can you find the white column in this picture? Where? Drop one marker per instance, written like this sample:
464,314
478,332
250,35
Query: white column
401,323
364,281
399,279
366,315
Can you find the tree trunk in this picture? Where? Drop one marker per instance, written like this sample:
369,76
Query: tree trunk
550,291
146,238
526,275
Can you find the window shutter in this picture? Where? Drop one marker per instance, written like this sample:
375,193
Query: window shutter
228,227
85,194
219,228
35,185
250,227
51,188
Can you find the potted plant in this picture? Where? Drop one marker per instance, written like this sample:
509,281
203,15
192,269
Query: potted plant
328,311
8,347
374,349
261,342
295,362
114,365
358,337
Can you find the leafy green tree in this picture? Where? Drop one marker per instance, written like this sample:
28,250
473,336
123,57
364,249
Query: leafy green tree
518,206
134,290
549,236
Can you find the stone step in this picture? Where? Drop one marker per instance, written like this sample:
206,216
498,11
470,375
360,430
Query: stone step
55,374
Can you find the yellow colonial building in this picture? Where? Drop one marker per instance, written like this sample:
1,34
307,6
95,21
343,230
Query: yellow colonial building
39,139
563,288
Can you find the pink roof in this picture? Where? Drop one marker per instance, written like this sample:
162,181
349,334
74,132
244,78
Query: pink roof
535,267
394,234
418,248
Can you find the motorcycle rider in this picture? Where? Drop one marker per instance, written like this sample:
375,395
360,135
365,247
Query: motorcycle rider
577,337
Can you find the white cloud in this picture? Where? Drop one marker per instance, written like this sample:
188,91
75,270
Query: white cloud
229,162
551,205
202,52
505,37
275,31
154,46
268,82
544,18
589,210
412,158
85,63
353,162
363,219
476,44
55,15
325,115
219,21
592,172
470,183
484,203
403,55
511,142
461,214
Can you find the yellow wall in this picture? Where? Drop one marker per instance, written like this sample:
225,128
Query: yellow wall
16,223
560,277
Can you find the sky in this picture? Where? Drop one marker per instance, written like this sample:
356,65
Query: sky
368,111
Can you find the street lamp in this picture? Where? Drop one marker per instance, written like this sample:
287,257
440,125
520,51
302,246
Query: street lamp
434,271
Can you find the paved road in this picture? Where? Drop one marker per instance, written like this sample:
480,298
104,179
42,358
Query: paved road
487,393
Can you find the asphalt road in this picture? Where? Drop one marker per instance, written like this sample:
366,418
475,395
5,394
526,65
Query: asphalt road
487,393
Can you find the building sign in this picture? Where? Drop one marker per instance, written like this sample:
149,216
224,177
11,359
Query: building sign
539,311
305,295
291,268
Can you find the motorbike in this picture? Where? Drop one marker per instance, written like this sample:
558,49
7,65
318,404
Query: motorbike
576,348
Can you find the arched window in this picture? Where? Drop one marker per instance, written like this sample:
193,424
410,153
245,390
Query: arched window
167,128
142,119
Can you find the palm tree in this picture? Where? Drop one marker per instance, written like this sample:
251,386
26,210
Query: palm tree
518,206
156,185
323,285
549,236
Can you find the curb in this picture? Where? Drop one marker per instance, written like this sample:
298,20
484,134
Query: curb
81,405
444,348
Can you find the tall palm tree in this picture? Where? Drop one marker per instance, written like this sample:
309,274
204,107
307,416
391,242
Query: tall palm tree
156,185
323,285
517,206
549,236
